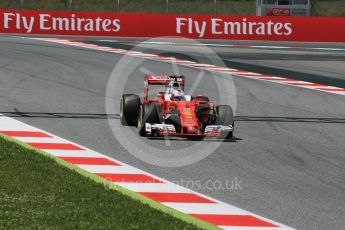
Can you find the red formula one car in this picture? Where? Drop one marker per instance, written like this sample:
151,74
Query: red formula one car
173,113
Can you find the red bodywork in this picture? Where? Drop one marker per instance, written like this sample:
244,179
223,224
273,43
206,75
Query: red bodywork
190,120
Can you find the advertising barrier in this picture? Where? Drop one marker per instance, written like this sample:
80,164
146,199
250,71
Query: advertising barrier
276,28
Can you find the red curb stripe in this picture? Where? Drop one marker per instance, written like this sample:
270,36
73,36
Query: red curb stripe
218,67
283,80
304,84
129,178
269,78
24,134
234,220
230,71
56,146
176,197
89,161
205,66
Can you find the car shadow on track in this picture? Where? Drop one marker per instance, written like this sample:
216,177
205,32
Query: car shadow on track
17,113
234,139
291,119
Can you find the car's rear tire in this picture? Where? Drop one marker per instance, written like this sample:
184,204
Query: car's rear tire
225,116
148,113
129,108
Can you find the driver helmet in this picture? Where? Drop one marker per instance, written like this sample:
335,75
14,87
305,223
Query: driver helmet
176,89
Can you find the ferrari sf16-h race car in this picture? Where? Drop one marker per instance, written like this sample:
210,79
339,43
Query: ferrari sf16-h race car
173,113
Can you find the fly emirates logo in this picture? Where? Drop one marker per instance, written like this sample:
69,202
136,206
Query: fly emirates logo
217,26
47,22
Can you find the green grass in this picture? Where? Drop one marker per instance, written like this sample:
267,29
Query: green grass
244,7
42,192
328,8
227,7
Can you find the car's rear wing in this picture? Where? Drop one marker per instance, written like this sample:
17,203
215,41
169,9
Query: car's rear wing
161,80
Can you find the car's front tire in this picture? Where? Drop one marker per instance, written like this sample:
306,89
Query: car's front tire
129,108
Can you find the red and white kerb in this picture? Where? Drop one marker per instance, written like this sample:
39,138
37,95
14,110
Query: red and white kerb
169,194
208,67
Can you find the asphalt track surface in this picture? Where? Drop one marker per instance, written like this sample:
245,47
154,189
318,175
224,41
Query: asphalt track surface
289,150
295,60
